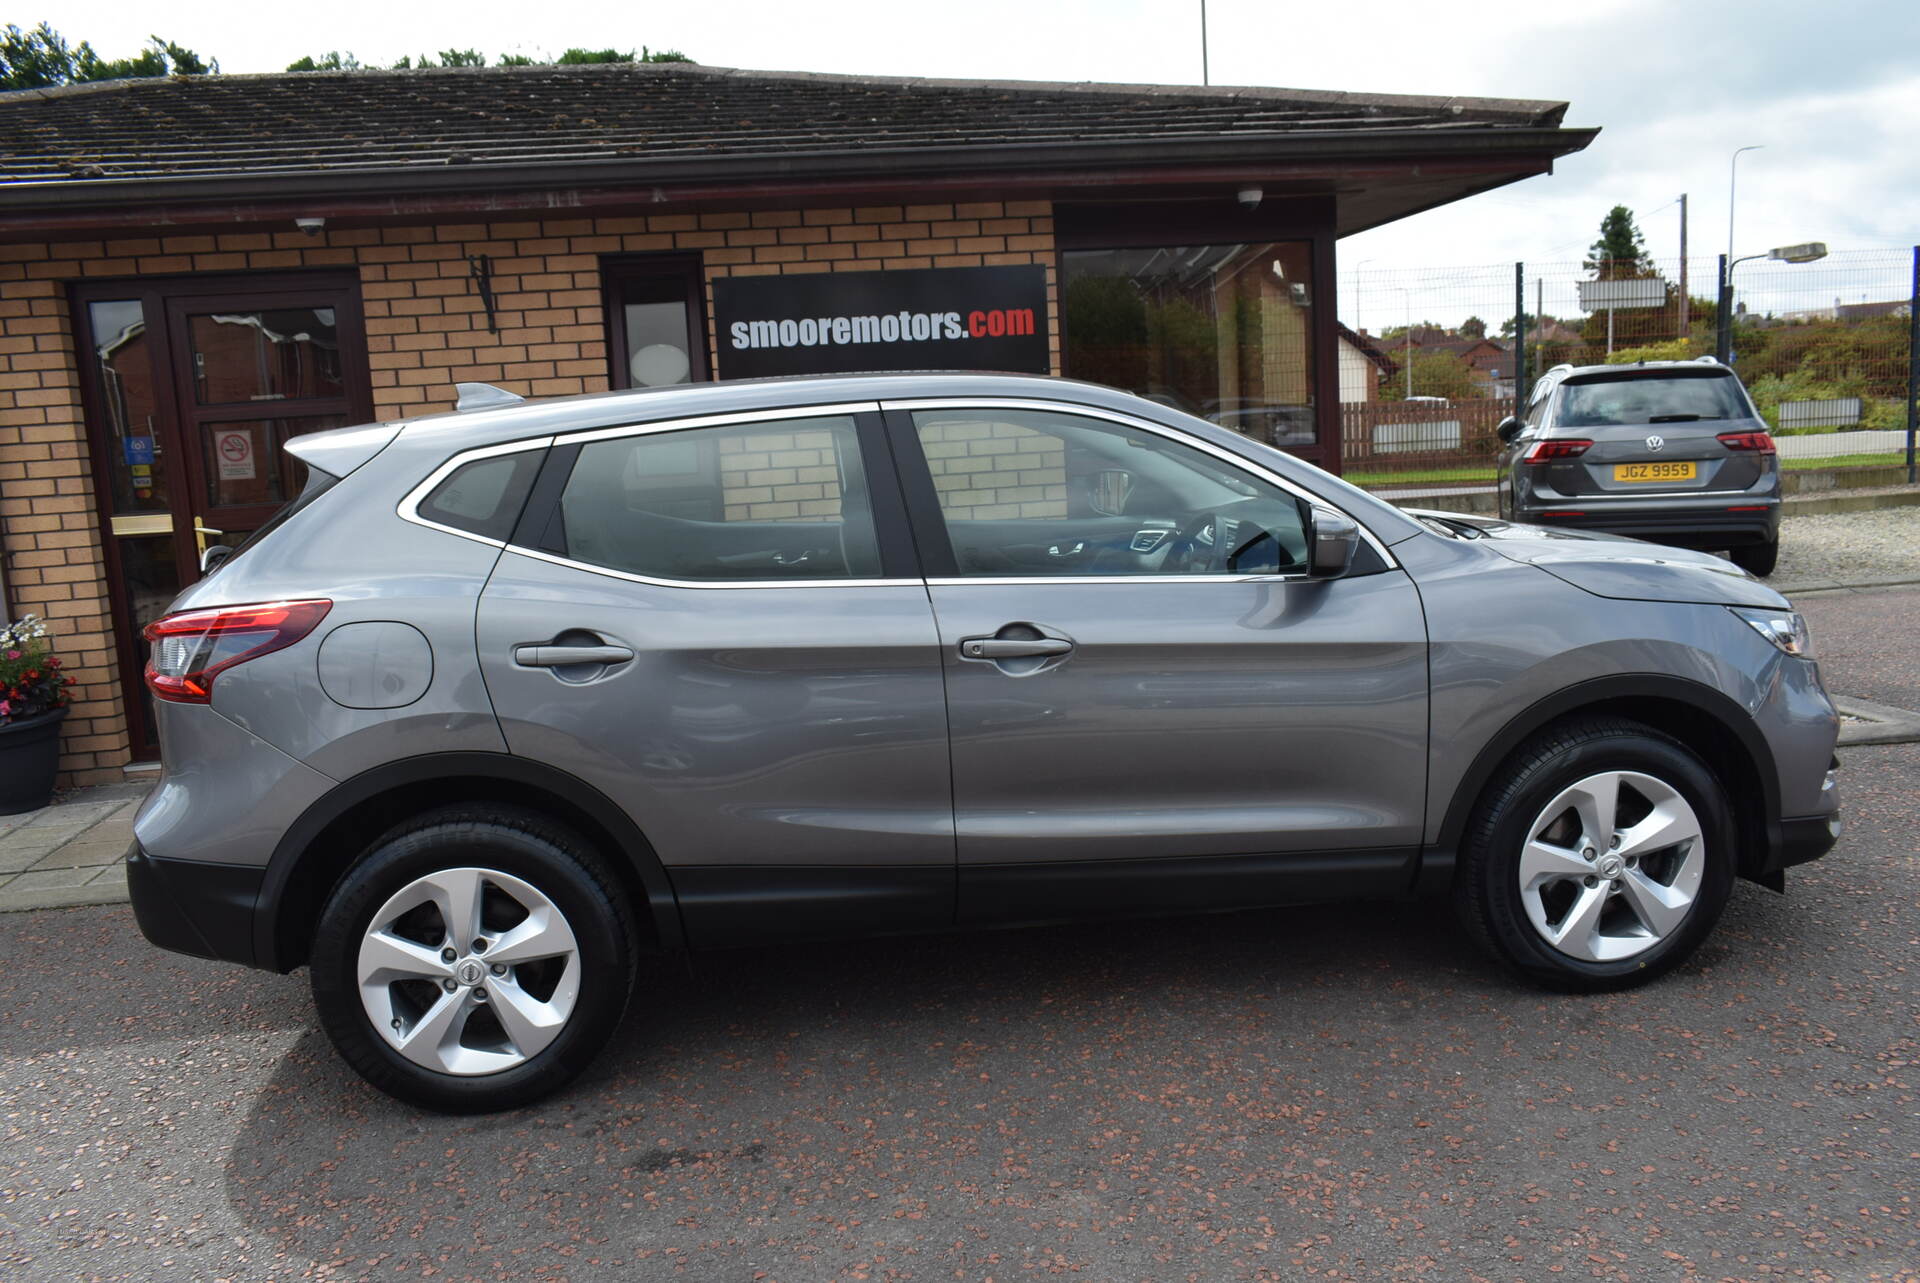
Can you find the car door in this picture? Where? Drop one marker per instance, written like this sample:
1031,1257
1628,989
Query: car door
719,624
1151,706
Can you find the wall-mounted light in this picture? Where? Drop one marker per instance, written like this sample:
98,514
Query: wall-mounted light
311,226
1250,197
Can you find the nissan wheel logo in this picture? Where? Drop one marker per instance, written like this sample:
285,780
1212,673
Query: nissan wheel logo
1656,444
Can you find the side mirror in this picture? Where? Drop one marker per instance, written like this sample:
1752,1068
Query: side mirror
1111,486
1331,543
213,556
1509,428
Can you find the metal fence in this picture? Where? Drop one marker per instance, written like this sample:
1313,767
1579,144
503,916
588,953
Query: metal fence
1429,359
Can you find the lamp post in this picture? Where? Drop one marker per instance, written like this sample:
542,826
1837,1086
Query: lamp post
1806,252
1733,181
1407,296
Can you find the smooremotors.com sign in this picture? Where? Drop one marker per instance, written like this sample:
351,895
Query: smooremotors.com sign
947,318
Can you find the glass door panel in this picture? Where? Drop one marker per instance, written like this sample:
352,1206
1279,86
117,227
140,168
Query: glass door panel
272,354
130,411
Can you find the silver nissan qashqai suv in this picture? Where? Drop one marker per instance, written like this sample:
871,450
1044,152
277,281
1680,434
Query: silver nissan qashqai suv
508,698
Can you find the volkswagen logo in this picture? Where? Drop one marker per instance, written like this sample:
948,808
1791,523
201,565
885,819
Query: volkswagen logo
1656,444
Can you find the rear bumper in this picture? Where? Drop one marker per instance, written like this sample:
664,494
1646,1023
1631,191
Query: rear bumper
194,907
1685,527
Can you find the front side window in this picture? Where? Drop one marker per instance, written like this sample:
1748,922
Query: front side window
1031,492
784,499
1223,332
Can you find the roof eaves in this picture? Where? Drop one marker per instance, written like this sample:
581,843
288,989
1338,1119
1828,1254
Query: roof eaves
823,164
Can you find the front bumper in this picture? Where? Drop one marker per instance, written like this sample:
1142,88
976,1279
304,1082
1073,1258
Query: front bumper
194,907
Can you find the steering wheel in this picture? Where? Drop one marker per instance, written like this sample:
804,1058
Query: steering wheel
1197,548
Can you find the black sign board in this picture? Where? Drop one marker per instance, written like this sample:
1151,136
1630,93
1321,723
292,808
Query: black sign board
943,318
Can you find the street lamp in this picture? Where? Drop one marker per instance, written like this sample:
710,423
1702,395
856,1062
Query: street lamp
1733,180
1805,252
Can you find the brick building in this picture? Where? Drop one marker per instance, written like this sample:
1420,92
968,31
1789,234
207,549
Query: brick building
193,270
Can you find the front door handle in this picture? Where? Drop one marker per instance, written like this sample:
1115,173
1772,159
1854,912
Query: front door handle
1013,647
562,656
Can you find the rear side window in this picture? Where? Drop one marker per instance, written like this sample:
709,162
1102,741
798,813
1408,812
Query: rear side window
1608,402
778,500
484,497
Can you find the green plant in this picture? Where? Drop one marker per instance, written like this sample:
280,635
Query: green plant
31,682
1667,350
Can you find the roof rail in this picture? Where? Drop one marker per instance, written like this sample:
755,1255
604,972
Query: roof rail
484,396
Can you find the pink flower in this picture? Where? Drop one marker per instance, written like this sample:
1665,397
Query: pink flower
13,654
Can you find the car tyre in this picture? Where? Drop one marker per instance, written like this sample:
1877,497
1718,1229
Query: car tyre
1536,885
388,952
1757,559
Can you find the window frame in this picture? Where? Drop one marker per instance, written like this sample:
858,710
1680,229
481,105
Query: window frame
625,276
929,523
899,563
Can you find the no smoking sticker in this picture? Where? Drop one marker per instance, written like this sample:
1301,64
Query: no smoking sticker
234,451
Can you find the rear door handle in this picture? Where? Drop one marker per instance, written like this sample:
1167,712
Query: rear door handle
562,656
1012,647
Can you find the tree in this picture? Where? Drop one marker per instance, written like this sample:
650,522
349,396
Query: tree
334,60
1434,374
1473,328
1621,252
41,59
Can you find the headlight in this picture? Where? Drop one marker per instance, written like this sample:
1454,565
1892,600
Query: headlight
1784,628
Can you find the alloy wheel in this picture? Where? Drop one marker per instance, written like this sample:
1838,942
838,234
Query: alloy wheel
468,971
1612,866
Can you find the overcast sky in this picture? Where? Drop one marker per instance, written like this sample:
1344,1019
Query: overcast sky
1831,90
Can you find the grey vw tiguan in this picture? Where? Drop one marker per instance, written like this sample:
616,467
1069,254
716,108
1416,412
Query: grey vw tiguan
509,698
1666,450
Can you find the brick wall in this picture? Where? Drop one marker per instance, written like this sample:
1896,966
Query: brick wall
426,330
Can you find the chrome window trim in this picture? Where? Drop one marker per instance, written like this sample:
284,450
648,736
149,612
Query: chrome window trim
1146,425
409,508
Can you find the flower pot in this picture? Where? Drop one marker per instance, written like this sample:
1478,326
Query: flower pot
29,759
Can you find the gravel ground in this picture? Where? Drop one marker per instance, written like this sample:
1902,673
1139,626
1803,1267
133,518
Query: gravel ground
1849,547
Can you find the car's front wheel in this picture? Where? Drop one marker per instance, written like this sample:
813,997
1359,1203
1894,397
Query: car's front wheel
1599,857
476,959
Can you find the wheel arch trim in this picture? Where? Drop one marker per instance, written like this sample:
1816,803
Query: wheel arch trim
1605,695
296,845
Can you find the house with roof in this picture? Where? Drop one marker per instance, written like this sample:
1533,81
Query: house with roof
194,270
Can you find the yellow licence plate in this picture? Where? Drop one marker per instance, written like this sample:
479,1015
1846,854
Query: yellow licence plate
1653,472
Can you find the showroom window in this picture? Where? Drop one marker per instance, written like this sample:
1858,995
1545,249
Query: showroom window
1224,332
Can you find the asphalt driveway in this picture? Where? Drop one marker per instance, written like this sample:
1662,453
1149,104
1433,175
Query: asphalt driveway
1349,1092
1346,1093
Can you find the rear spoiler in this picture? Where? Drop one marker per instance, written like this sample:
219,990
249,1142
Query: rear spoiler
341,450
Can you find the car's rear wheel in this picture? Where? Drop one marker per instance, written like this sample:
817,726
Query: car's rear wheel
1757,559
1599,858
476,959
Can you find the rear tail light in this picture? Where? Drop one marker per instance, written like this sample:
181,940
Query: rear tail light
1554,451
192,648
1756,441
